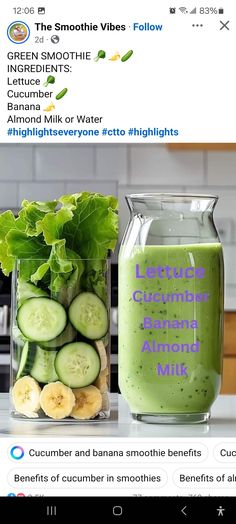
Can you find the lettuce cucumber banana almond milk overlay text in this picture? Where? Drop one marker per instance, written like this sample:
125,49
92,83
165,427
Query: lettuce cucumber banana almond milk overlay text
170,273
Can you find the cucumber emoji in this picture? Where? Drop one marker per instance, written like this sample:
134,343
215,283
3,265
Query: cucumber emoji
127,56
61,94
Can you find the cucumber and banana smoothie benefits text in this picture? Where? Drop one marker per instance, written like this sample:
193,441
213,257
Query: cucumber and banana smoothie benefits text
170,322
58,254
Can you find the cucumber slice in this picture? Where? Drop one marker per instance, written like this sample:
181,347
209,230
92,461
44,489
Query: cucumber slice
66,337
43,369
17,336
77,365
25,290
41,319
26,360
88,315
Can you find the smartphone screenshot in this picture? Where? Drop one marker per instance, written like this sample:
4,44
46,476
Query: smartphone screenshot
117,259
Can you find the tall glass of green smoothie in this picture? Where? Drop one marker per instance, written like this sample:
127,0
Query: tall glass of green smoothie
171,294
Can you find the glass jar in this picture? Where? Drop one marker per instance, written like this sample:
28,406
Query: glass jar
171,289
60,349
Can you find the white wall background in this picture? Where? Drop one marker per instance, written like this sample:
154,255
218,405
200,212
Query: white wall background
45,172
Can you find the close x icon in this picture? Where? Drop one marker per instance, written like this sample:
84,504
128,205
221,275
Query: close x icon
224,25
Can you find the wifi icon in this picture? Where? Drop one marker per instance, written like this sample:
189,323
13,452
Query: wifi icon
183,10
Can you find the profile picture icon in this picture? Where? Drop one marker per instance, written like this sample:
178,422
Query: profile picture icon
18,32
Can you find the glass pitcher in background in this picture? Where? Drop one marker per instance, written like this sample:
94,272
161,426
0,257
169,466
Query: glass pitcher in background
171,292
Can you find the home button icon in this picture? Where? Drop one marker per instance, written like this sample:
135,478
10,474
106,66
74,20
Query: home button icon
117,511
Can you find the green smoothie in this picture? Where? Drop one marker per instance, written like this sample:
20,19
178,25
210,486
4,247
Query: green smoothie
170,327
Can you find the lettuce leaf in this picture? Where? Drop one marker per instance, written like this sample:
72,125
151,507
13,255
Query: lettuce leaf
40,272
61,245
94,278
51,226
93,230
33,213
7,223
65,287
23,247
29,251
7,261
57,262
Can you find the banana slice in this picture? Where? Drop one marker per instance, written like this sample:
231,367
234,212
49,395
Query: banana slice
102,381
57,400
102,353
25,396
105,402
88,403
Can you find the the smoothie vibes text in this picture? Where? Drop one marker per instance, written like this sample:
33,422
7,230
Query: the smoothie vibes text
160,273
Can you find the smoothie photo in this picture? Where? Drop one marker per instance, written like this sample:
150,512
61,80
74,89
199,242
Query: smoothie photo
170,327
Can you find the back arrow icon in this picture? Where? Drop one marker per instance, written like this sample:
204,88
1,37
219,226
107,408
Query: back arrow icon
183,511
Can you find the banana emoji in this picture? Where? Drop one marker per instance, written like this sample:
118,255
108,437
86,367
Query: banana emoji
115,57
88,402
102,381
49,108
102,353
57,400
25,397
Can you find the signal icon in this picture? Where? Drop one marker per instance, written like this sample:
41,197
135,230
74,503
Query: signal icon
183,10
194,11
